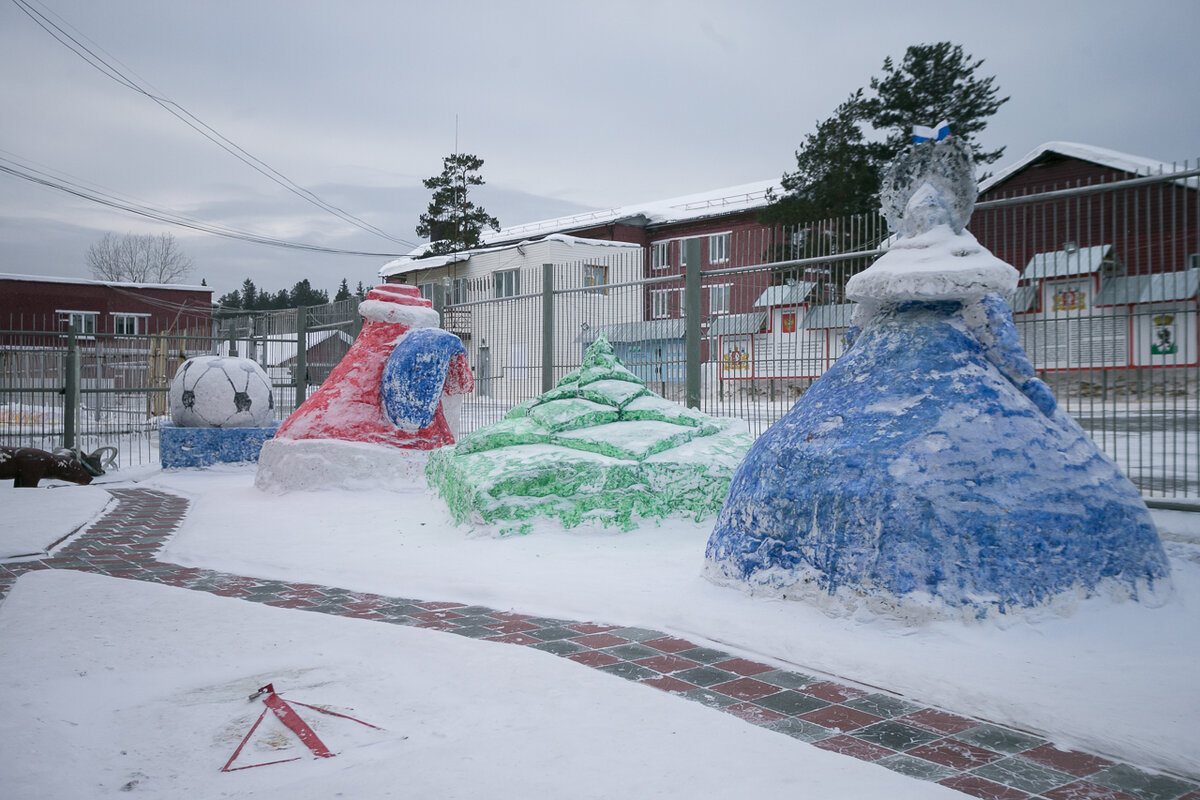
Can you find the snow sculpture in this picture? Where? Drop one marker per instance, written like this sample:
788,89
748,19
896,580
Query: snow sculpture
370,424
220,392
222,410
929,472
598,449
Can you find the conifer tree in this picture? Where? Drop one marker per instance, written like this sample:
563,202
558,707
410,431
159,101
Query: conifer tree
837,171
934,83
452,222
343,292
838,166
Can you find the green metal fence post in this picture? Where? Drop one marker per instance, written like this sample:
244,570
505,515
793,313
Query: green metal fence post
301,355
547,327
691,304
71,390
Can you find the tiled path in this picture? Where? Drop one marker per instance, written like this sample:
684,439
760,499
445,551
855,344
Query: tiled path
974,757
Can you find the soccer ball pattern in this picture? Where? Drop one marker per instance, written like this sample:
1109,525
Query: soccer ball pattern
221,392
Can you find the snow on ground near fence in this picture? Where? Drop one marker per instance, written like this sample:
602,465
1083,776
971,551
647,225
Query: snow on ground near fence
113,685
1118,680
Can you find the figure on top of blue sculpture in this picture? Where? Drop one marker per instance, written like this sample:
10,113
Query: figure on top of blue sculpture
929,473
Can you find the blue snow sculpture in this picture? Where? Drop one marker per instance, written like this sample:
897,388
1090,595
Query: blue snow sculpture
414,375
929,472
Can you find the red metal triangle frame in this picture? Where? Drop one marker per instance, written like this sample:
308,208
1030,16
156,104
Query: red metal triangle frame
292,720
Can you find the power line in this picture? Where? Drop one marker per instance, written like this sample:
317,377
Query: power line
179,112
95,195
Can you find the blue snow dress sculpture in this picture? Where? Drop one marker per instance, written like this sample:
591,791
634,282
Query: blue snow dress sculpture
929,473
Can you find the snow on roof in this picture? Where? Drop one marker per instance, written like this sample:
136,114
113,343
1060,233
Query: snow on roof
281,348
728,200
836,315
635,331
785,295
118,284
413,262
733,324
1123,162
1157,288
1069,261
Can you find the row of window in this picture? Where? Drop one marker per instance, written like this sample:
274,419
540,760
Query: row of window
123,324
507,283
660,252
718,301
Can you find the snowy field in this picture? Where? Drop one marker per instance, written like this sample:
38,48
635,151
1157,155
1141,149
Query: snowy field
145,686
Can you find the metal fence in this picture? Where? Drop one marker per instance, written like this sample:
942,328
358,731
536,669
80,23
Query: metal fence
108,388
1106,310
737,324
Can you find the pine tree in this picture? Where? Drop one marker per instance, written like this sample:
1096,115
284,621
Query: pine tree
343,292
250,297
837,171
303,294
837,168
360,291
452,222
934,82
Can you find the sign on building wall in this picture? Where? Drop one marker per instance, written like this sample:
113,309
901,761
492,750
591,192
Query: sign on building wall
737,353
1164,336
787,323
1068,297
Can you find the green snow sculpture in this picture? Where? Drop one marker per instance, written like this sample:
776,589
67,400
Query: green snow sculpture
598,449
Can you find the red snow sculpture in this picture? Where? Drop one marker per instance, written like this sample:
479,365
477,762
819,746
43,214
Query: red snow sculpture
348,404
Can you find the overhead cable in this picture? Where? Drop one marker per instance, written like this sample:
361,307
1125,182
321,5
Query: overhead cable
42,178
175,109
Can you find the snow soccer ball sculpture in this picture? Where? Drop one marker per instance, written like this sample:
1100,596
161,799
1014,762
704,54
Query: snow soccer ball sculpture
599,449
930,473
221,392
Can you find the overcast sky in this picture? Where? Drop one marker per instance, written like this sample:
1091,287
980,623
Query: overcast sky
571,106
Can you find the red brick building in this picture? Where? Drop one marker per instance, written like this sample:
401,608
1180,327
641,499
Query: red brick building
1152,228
31,303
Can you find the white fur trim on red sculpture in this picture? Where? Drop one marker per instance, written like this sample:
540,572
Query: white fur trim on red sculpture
412,316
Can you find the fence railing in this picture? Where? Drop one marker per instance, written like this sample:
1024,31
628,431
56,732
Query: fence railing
1106,310
108,387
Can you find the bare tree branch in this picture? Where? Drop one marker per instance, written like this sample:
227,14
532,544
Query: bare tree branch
138,259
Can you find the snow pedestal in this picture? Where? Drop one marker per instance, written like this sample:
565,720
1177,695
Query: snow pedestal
384,406
929,472
599,449
202,447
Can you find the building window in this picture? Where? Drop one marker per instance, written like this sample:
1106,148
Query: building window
683,252
660,303
718,298
84,321
596,276
508,283
660,255
129,324
459,291
718,248
426,290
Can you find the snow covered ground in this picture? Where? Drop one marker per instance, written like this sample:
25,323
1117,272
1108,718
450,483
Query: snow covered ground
107,683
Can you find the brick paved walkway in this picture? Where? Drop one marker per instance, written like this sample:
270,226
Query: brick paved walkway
975,757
